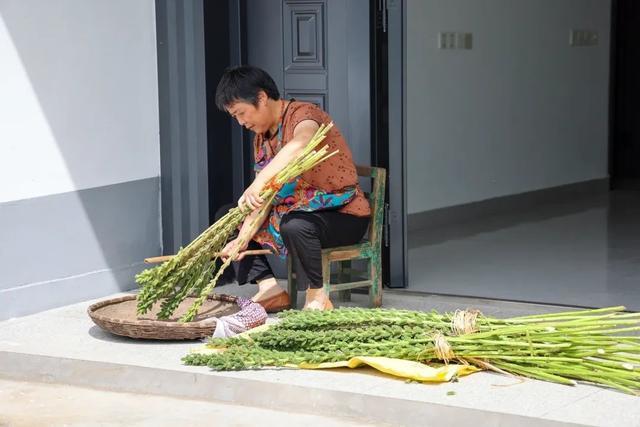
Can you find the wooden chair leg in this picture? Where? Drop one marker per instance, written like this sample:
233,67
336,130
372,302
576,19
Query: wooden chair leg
375,293
291,283
326,276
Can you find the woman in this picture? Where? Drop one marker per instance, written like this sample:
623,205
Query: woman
302,219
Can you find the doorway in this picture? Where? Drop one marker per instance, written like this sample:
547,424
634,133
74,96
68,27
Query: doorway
625,93
316,51
510,151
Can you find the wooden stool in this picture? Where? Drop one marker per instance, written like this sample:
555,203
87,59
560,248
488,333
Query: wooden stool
368,249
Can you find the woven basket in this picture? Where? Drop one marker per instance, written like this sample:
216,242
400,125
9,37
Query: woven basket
118,316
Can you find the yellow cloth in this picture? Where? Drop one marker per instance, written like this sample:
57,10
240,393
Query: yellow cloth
400,368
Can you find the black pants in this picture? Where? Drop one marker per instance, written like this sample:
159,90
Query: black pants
304,235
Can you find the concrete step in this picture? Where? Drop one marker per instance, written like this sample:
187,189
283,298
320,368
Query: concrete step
25,404
64,346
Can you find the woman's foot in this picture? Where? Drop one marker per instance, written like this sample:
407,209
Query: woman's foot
267,288
271,296
317,299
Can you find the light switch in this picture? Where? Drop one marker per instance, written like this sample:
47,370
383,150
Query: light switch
464,41
455,40
446,40
583,38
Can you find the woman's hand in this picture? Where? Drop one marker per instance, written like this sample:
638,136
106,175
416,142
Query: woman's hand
302,134
251,197
230,247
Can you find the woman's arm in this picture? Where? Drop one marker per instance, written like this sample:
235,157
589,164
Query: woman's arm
302,135
250,227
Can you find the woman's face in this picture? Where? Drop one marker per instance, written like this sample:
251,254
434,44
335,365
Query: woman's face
256,119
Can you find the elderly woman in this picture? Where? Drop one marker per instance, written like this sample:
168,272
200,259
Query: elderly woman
323,207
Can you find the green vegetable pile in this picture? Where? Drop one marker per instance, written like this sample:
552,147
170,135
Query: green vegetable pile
192,270
598,346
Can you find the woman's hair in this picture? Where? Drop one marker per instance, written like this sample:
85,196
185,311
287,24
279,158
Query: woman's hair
243,84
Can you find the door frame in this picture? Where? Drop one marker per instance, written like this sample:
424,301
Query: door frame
390,143
182,103
185,185
189,191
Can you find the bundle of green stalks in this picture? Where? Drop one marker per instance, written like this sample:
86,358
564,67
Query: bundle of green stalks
595,346
192,271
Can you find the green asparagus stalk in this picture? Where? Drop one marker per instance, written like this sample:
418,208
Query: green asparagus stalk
587,346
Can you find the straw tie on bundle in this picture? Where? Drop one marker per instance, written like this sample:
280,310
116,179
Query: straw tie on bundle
464,322
442,349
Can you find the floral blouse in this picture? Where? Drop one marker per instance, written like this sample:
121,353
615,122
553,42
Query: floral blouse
333,184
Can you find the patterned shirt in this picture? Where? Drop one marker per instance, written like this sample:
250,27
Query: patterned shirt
333,184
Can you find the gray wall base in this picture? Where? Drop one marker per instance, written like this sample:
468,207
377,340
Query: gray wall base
64,248
500,205
36,297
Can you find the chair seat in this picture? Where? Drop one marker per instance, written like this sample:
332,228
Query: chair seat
344,253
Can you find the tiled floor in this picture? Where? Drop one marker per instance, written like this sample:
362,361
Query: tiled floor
581,252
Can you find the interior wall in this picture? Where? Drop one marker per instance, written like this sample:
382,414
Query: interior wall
522,110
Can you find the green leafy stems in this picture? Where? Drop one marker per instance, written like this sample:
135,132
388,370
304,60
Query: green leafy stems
594,346
192,271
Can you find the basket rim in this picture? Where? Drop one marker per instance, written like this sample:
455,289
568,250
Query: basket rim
207,322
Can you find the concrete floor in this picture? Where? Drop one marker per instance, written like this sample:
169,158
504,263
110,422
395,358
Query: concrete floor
30,404
64,346
581,252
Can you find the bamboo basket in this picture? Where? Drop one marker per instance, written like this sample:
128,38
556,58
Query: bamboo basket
118,316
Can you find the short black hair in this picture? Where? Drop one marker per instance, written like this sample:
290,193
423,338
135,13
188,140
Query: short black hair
243,83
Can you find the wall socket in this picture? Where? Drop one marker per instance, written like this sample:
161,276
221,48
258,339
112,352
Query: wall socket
455,40
583,38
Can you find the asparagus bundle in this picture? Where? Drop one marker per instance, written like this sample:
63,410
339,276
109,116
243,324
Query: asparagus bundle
589,345
191,270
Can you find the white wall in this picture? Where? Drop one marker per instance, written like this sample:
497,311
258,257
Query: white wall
78,95
520,111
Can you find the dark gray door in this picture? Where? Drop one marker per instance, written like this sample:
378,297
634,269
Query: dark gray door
318,51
